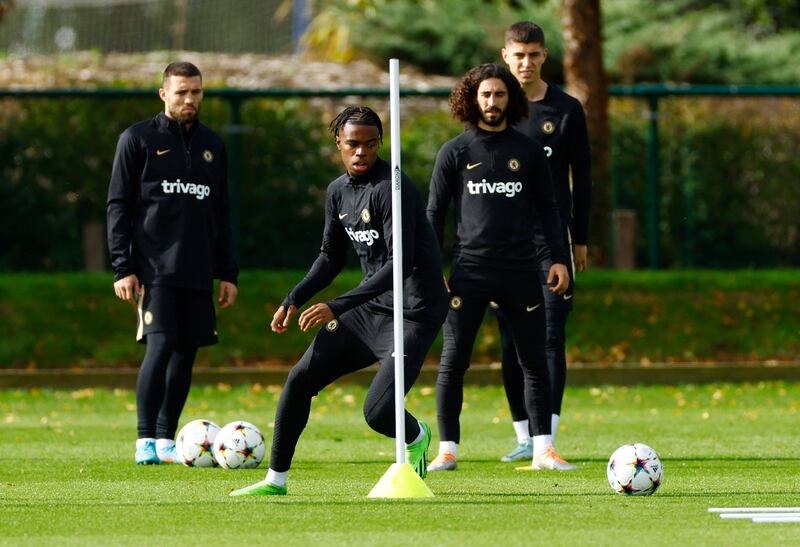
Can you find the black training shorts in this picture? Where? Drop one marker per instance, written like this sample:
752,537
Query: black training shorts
188,314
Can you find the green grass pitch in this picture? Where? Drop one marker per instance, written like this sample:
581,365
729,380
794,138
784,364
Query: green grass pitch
67,475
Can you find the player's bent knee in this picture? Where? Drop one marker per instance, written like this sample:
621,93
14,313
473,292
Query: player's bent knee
298,382
380,416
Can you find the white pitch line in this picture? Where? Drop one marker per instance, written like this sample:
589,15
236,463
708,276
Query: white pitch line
771,519
753,509
757,515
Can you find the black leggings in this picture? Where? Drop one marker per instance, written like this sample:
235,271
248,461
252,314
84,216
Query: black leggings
556,363
334,353
163,386
519,296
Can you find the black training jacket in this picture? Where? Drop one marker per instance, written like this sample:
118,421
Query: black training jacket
358,210
168,211
501,186
558,123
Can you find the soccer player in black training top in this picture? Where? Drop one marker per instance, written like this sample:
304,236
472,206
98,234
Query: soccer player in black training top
557,122
357,327
169,236
499,182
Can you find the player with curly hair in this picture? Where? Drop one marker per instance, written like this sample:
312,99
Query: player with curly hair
499,183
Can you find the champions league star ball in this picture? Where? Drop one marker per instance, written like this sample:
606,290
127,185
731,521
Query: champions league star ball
194,445
635,470
239,444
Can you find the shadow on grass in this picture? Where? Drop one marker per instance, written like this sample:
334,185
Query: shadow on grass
313,463
455,498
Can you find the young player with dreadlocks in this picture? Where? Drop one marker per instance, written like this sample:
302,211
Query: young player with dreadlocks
499,183
357,327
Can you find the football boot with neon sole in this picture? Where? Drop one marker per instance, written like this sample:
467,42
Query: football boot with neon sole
443,462
548,460
523,451
417,453
146,453
262,488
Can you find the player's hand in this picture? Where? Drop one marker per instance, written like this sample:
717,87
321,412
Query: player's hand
282,318
227,294
558,272
318,314
127,288
580,254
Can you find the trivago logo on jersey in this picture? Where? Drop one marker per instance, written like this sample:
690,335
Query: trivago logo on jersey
200,191
363,236
509,189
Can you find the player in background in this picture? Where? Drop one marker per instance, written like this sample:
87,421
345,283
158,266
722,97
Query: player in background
499,183
357,327
557,122
169,237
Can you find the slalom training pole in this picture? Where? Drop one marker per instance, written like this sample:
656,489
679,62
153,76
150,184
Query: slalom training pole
400,481
397,264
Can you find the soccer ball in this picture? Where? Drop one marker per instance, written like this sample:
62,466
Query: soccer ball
635,470
239,444
195,442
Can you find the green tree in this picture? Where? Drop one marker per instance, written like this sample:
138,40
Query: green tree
586,79
5,5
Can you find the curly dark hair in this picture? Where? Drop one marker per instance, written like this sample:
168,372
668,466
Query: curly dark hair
464,99
359,115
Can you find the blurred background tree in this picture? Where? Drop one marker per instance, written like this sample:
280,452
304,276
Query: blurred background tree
724,200
690,41
5,5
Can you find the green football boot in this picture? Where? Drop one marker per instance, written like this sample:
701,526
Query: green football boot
262,488
417,453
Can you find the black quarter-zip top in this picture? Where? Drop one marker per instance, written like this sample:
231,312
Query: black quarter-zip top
358,211
500,186
168,209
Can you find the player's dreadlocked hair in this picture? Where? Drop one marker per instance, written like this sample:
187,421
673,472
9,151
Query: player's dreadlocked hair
464,99
358,115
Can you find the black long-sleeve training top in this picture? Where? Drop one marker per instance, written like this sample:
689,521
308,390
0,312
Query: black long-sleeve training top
168,210
359,210
558,124
501,186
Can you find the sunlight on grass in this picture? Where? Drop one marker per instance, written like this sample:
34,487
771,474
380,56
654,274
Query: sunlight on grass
67,474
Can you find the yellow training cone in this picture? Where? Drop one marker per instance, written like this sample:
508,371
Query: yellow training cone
400,481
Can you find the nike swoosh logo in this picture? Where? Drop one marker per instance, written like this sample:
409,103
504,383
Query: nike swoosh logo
567,296
473,165
162,152
341,216
531,308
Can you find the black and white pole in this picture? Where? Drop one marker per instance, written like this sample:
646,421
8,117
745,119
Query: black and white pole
397,265
400,481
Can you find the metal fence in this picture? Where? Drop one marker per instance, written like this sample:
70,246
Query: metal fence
651,97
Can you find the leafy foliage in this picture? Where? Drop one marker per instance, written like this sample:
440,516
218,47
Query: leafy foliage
702,41
441,36
65,320
697,41
725,200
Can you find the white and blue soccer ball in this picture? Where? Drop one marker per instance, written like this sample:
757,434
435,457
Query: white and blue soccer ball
635,470
194,445
238,445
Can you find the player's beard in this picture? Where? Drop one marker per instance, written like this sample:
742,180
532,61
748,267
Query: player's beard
497,121
185,116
